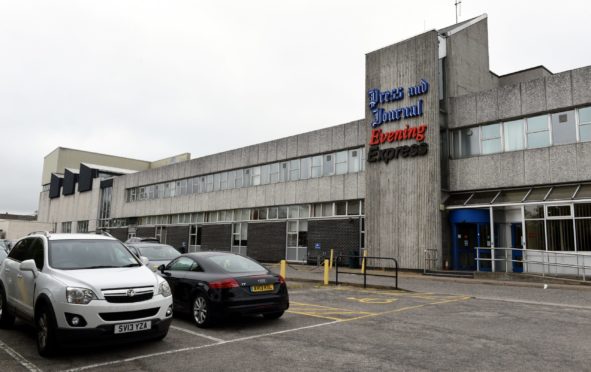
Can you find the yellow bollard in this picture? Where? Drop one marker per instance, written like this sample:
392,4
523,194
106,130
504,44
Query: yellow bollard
326,269
331,255
282,269
363,262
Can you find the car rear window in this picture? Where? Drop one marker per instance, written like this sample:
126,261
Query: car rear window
235,264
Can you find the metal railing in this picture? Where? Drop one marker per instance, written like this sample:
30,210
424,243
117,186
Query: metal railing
364,266
431,258
531,259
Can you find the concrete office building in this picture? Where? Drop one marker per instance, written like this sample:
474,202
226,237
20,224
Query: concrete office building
449,157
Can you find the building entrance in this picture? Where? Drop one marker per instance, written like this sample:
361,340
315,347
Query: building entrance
470,229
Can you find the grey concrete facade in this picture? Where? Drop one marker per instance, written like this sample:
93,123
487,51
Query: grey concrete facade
555,164
402,197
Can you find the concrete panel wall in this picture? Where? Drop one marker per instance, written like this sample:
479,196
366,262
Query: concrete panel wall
467,67
551,93
403,196
557,164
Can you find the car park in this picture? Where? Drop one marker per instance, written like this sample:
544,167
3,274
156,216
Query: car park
157,254
212,285
82,287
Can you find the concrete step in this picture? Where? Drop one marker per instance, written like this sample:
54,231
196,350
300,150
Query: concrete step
450,274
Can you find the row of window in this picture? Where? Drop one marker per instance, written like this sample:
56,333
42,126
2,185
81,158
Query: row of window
528,133
82,227
558,227
331,209
342,162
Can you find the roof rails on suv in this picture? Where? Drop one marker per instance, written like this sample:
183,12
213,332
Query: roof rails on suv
41,232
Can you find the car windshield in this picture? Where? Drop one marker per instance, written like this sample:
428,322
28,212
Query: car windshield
158,252
235,264
89,254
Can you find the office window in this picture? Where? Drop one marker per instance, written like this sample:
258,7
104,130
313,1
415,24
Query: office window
305,165
224,181
82,227
563,128
231,179
353,161
246,178
66,227
328,165
274,173
209,183
255,176
265,174
466,142
283,172
239,178
513,131
294,170
491,139
216,182
585,124
316,166
341,162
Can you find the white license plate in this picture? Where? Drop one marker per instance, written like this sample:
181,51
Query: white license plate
132,327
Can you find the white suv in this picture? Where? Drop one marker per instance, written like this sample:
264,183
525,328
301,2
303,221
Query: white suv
78,287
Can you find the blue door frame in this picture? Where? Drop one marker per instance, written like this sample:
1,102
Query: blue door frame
463,245
516,242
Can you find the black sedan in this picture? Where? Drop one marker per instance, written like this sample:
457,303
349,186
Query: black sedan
211,285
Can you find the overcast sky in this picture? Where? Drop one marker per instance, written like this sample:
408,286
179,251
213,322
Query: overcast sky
151,79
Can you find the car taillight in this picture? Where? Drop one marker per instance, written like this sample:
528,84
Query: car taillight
226,283
281,280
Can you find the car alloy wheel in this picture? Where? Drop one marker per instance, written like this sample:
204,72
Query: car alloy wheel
45,323
201,311
42,330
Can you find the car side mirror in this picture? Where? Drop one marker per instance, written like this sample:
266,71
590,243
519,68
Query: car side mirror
161,268
145,260
29,265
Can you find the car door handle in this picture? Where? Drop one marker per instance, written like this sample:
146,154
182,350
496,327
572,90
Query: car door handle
7,269
20,276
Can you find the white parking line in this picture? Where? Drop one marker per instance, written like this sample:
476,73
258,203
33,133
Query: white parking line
196,347
197,334
19,358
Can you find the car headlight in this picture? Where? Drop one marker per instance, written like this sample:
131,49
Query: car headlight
81,296
164,289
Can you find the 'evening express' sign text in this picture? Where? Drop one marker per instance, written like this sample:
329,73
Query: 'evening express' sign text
381,116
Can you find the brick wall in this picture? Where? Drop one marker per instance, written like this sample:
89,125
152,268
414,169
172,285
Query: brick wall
340,235
119,233
145,232
216,237
176,235
267,241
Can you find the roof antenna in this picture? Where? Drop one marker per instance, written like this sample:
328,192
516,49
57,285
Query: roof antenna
458,9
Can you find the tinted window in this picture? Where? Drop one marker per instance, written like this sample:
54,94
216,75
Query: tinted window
182,264
36,252
235,264
20,250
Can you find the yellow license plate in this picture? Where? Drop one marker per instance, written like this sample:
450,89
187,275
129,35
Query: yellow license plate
262,288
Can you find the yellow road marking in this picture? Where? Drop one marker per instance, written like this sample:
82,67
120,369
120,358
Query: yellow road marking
320,311
373,300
